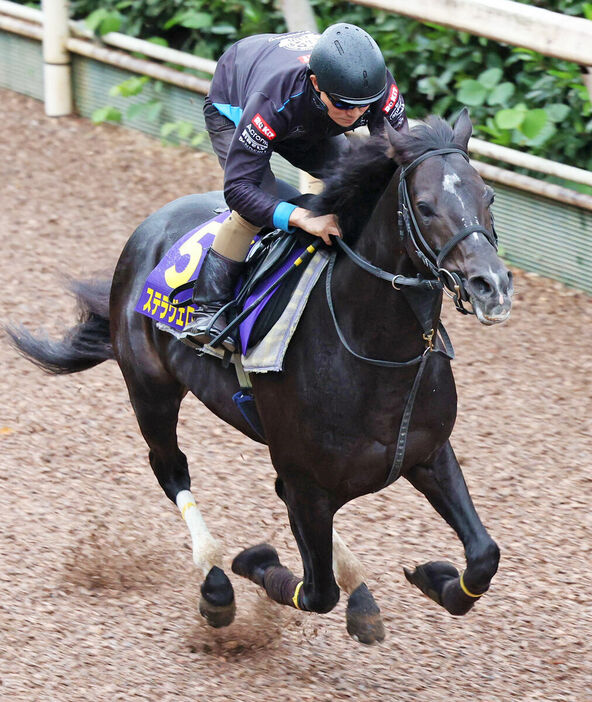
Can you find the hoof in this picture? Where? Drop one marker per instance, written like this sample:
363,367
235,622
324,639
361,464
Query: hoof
253,562
217,616
439,580
431,577
363,618
217,604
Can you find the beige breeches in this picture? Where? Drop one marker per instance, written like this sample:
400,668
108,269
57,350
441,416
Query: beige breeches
234,237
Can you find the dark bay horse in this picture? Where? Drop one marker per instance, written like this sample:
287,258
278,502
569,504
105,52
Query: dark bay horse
339,423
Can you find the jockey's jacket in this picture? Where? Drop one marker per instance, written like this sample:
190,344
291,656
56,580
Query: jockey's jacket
261,84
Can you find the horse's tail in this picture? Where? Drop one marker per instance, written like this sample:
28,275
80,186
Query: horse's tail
83,346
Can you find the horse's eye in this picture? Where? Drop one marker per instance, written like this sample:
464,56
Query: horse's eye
425,210
491,201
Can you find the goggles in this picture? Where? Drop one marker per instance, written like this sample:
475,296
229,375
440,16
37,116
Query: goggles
342,105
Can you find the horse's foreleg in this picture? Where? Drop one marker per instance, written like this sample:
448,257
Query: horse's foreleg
363,618
311,520
312,525
156,405
443,484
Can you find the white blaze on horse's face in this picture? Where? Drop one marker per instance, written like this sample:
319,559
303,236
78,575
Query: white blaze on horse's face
462,202
451,180
450,185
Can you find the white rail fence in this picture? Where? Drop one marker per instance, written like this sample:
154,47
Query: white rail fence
514,23
548,32
543,227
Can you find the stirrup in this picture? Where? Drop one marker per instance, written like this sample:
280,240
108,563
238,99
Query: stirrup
203,332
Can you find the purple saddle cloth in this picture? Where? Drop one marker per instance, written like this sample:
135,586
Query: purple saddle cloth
181,264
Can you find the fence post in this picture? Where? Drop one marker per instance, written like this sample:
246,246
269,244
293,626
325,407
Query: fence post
587,78
57,80
299,15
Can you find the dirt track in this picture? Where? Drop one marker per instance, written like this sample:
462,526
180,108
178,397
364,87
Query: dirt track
98,593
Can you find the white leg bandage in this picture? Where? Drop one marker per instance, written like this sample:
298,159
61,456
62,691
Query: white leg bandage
207,551
348,570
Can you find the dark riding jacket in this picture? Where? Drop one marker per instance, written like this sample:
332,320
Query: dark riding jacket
262,85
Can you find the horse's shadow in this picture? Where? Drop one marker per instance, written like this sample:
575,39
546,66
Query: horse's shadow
259,626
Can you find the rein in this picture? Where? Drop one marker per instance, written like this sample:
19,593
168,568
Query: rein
397,281
422,295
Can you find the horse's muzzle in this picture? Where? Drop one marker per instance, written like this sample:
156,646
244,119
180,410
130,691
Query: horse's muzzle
490,294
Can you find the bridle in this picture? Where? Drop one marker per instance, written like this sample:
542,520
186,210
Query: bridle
411,233
439,279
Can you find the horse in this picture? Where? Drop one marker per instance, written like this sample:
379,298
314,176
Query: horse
366,389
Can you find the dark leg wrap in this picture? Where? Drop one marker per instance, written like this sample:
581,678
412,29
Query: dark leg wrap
439,580
280,584
254,561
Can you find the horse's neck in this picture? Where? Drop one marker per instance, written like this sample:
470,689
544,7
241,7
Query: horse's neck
379,241
378,313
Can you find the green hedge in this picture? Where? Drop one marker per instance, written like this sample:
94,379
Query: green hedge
517,98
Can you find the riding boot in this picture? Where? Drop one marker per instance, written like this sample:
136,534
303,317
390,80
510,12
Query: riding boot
213,288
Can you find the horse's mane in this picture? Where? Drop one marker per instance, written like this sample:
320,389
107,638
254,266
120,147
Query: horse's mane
355,183
359,178
433,133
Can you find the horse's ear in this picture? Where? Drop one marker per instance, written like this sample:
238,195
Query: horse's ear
399,143
463,128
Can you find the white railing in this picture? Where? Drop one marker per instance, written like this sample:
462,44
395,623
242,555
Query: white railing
83,42
120,41
26,21
549,33
508,22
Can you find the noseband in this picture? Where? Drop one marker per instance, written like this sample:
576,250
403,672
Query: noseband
432,260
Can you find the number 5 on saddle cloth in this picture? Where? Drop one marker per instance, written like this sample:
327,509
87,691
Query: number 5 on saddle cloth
274,267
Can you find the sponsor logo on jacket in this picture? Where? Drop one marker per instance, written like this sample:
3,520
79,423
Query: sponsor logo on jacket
253,141
298,41
397,115
391,100
263,127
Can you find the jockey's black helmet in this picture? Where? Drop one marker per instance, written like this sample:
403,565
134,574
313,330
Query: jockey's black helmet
349,65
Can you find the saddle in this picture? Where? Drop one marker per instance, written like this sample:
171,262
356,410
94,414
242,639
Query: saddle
269,269
274,266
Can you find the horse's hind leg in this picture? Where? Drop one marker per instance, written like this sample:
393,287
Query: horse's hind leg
156,402
363,618
443,484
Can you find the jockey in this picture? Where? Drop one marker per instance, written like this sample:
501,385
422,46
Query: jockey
295,94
